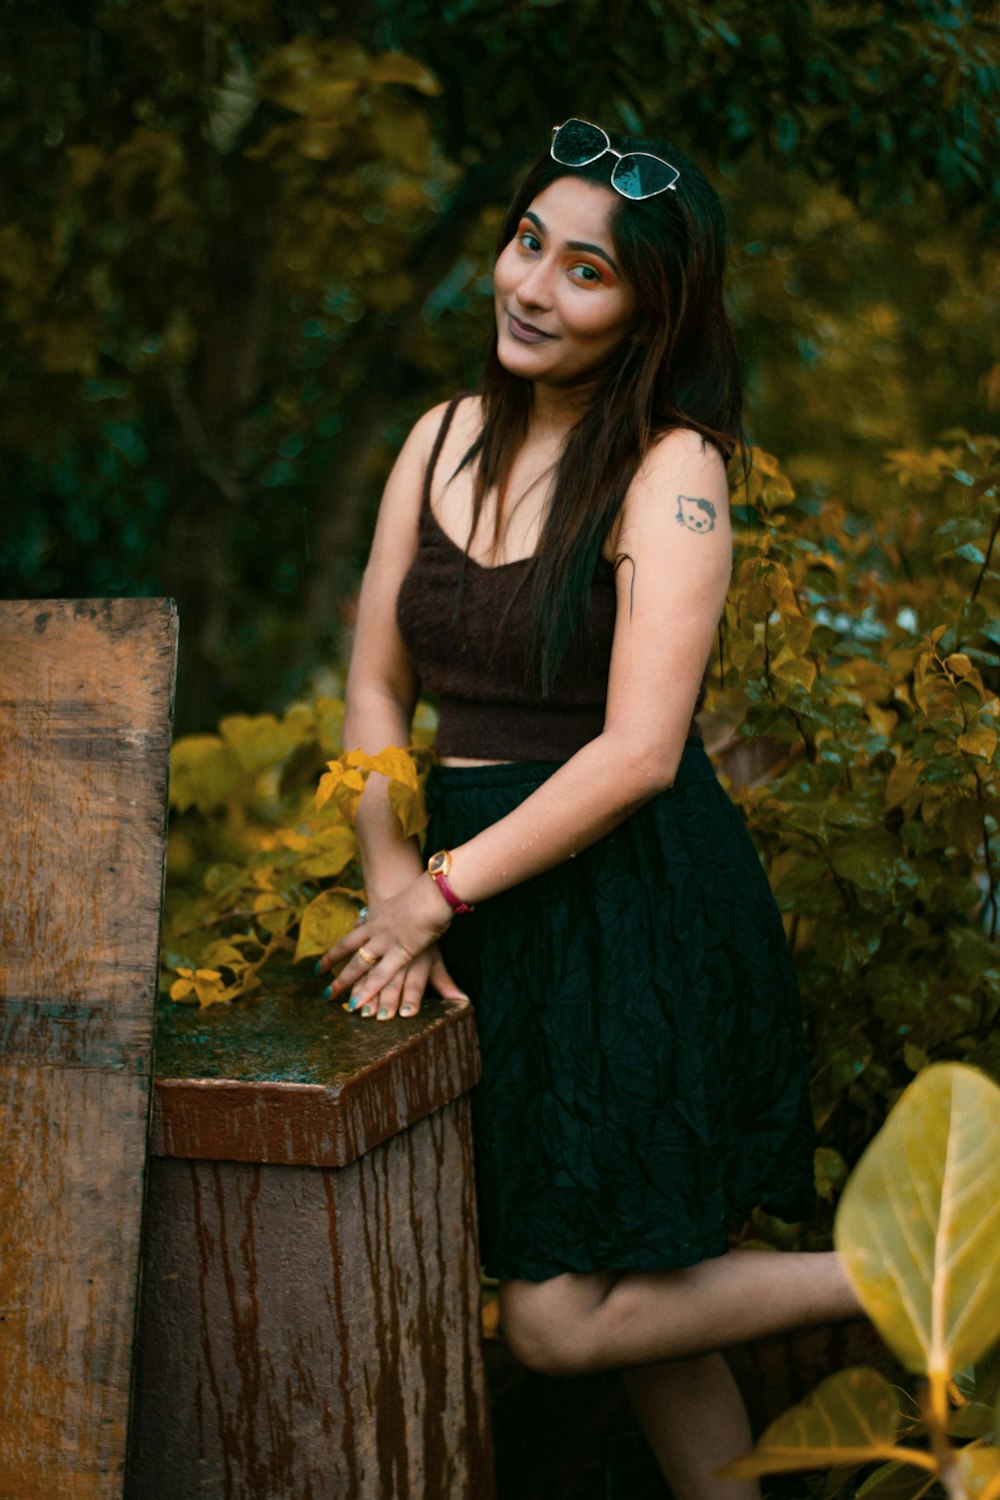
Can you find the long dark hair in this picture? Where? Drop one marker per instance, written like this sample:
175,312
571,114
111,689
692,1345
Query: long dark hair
679,368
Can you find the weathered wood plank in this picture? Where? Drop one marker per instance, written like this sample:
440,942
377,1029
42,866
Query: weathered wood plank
86,699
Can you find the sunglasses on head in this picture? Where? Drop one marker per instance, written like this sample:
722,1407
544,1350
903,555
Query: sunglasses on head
636,174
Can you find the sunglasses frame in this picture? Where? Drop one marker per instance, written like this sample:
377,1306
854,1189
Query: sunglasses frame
621,155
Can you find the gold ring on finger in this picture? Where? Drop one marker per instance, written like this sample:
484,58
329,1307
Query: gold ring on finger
369,958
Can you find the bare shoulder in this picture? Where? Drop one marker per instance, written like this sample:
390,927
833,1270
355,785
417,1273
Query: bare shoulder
465,424
680,488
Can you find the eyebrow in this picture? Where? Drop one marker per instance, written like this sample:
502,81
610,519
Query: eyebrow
575,244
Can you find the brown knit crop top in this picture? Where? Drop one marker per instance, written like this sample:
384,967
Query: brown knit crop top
479,672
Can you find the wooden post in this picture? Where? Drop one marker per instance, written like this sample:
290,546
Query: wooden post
310,1311
86,698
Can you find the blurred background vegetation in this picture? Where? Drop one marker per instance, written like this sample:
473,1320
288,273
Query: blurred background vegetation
246,243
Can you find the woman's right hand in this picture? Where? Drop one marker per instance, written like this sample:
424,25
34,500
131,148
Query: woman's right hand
403,993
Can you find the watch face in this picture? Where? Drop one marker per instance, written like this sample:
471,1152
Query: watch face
438,863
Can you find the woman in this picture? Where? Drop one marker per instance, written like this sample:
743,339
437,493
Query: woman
594,892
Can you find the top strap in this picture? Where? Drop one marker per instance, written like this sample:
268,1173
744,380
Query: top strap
438,445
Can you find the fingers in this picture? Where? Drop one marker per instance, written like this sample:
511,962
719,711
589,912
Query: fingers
385,1004
401,996
413,989
366,980
395,986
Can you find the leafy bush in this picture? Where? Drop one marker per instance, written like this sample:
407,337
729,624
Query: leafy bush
863,646
260,862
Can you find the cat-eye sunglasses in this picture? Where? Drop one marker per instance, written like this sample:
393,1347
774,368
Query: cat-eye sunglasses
636,174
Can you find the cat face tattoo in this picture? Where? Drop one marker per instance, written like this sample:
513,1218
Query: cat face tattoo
696,515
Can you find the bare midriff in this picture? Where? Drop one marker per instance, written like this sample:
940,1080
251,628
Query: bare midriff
462,760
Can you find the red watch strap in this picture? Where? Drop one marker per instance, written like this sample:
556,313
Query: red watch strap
455,902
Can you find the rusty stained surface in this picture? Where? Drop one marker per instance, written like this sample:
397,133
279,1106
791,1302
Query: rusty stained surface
312,1333
86,696
282,1076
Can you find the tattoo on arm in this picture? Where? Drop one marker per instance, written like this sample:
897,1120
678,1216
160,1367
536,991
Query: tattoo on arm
696,515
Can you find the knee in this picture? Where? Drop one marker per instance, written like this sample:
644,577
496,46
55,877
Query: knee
544,1340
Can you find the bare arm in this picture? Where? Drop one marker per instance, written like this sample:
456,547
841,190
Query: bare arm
671,591
382,687
380,696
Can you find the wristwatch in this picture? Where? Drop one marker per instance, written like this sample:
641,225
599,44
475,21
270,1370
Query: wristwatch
437,868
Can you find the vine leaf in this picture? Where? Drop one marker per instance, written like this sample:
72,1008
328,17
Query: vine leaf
852,1416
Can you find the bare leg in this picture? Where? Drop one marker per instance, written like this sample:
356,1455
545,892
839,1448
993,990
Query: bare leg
596,1321
693,1417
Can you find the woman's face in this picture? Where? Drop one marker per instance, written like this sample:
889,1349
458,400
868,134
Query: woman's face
562,302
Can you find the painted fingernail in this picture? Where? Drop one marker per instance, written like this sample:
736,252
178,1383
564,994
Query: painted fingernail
328,992
355,1002
369,1010
318,966
383,1013
406,1010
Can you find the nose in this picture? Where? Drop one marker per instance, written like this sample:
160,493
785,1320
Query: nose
535,287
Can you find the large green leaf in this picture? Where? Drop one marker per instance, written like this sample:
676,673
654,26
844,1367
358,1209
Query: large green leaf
852,1416
917,1222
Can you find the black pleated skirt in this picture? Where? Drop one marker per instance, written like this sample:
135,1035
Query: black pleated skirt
644,1079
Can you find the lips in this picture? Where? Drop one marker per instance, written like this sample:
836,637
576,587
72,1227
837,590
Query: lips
519,326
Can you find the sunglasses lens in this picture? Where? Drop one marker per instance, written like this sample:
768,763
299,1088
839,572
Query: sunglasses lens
640,175
578,142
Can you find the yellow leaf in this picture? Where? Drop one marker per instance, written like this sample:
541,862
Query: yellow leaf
395,762
793,668
917,1222
408,805
261,740
980,1468
268,901
881,719
397,67
979,741
914,1057
204,773
324,921
902,782
853,1415
327,852
830,1171
963,822
288,838
958,663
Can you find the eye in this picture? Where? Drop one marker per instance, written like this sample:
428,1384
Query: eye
594,276
526,234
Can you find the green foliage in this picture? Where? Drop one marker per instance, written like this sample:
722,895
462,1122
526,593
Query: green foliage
862,646
243,249
916,1228
261,861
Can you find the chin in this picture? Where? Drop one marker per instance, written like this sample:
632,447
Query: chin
519,359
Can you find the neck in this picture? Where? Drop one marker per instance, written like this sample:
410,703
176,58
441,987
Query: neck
555,409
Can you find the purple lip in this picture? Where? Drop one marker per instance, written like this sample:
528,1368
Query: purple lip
528,327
